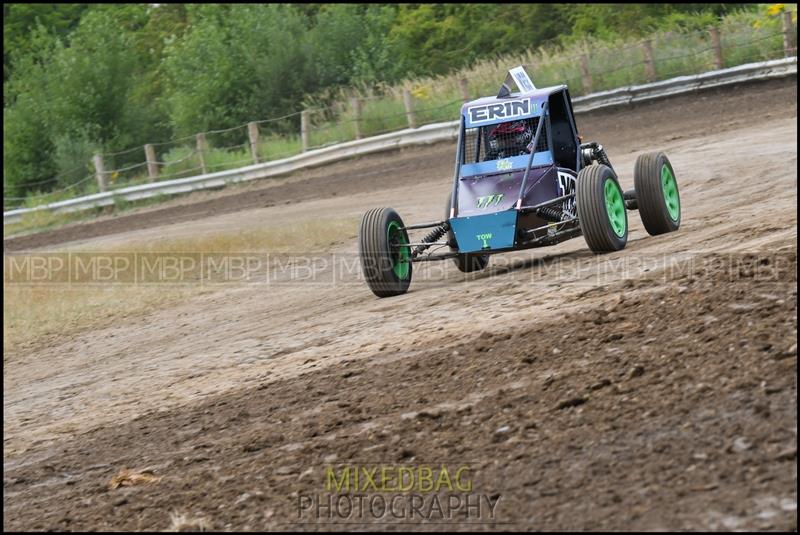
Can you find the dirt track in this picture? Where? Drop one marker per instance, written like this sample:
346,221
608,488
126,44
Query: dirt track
586,392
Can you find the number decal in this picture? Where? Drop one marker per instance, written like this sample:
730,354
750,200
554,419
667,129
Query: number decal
490,200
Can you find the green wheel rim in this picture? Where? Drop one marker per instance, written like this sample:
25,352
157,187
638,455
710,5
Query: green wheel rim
401,255
615,208
670,188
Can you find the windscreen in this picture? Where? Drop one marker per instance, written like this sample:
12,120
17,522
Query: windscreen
503,140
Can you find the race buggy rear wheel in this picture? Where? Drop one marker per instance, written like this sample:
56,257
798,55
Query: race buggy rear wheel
386,263
467,262
601,209
657,193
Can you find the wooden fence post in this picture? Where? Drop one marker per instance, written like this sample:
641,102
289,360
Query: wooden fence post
100,172
716,42
304,128
789,47
464,84
649,64
252,133
152,165
201,149
356,103
408,102
588,85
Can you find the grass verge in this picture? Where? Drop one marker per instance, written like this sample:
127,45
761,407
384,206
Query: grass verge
35,314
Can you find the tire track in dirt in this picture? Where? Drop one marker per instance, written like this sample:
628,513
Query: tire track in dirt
239,333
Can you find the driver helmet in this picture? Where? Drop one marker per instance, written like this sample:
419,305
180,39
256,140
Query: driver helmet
511,138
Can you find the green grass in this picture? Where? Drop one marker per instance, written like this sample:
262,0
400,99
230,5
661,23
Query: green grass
437,107
274,147
221,160
180,162
45,220
381,116
37,198
32,312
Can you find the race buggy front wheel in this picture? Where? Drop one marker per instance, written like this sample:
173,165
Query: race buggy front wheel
657,193
601,209
465,262
385,255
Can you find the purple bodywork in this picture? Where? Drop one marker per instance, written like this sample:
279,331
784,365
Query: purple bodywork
542,182
489,211
542,185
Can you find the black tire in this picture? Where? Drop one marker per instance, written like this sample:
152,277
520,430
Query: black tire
467,262
657,193
593,210
382,264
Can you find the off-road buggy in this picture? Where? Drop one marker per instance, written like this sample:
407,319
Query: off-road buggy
523,179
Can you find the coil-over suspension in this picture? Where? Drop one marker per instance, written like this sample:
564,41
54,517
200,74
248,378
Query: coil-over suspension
431,238
550,213
594,152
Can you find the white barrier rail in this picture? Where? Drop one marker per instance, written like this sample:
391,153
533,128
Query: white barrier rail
427,134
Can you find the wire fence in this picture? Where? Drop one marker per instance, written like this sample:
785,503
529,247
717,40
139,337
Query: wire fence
593,68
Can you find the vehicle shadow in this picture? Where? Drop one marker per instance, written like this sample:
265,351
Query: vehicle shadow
579,266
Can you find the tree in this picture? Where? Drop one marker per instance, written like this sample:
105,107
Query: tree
20,20
66,100
251,65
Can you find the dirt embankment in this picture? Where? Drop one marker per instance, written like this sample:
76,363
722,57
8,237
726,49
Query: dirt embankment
671,406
